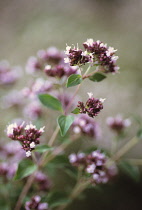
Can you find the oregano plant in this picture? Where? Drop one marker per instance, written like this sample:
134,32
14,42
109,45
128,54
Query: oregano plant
53,117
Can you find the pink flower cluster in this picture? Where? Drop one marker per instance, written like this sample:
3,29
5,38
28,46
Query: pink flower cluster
85,125
28,136
50,56
38,86
60,71
96,53
118,124
9,75
77,56
95,165
92,107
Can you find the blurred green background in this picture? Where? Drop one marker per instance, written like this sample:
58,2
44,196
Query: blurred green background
29,25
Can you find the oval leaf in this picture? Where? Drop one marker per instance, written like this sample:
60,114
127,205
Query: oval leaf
64,123
97,77
50,102
25,168
43,148
73,80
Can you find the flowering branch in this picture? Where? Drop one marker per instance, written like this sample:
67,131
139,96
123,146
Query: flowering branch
94,167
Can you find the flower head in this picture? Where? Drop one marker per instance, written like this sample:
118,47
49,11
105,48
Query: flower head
96,52
92,107
118,124
28,136
94,164
84,125
76,56
61,71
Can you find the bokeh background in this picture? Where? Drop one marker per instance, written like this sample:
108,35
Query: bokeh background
29,25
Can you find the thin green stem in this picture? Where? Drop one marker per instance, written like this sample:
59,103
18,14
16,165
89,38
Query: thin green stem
53,137
76,91
89,75
72,99
130,144
34,158
88,69
24,191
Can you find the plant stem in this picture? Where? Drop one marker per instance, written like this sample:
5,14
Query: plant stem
34,157
130,144
88,69
76,91
53,137
24,191
71,101
89,75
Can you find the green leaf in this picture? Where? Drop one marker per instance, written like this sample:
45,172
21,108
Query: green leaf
57,198
73,80
76,111
50,102
97,77
130,170
25,168
43,148
64,123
